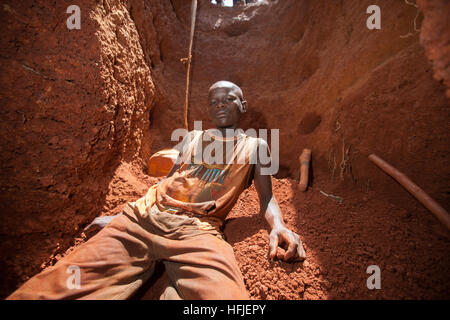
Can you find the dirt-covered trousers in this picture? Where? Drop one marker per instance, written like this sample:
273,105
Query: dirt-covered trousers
121,257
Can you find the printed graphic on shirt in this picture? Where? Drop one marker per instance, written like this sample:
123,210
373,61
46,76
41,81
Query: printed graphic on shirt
209,173
207,182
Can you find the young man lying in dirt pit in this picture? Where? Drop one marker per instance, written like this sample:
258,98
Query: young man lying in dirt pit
178,222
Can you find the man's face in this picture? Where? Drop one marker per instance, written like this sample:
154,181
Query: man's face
224,107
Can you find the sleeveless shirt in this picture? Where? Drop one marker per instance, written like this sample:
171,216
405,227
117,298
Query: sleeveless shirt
213,172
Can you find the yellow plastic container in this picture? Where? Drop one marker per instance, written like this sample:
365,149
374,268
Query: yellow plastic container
161,162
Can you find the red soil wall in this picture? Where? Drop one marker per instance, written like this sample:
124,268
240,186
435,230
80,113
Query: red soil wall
74,104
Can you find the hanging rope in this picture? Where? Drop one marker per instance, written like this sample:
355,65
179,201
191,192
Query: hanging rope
189,59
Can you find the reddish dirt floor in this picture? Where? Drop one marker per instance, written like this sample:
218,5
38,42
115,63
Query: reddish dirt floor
341,240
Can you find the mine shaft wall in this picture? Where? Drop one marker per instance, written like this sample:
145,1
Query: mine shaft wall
315,71
78,103
74,104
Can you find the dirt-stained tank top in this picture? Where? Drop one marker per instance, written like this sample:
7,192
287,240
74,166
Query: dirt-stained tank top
213,172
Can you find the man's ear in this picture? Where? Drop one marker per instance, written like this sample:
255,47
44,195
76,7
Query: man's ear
243,107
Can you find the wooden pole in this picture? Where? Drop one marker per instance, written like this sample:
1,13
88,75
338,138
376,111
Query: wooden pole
417,192
189,59
304,160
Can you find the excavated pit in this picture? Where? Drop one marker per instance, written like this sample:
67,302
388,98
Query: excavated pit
82,111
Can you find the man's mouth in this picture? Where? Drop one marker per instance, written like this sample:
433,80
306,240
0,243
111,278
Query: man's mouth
221,115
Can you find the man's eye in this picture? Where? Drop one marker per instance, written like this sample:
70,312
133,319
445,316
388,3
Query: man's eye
213,102
230,99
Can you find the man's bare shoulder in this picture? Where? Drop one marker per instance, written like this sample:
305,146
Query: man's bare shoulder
259,143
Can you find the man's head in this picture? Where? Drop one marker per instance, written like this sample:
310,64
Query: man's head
225,104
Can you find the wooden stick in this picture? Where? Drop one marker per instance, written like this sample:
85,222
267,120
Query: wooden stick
304,159
189,60
417,192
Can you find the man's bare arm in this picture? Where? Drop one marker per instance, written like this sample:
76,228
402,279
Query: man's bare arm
269,207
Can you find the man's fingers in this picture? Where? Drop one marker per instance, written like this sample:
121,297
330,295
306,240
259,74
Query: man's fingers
273,244
291,251
280,253
294,251
301,251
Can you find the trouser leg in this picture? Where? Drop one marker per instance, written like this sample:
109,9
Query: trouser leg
111,265
204,267
170,293
115,263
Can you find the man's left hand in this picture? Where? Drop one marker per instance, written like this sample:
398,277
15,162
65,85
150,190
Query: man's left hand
290,240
